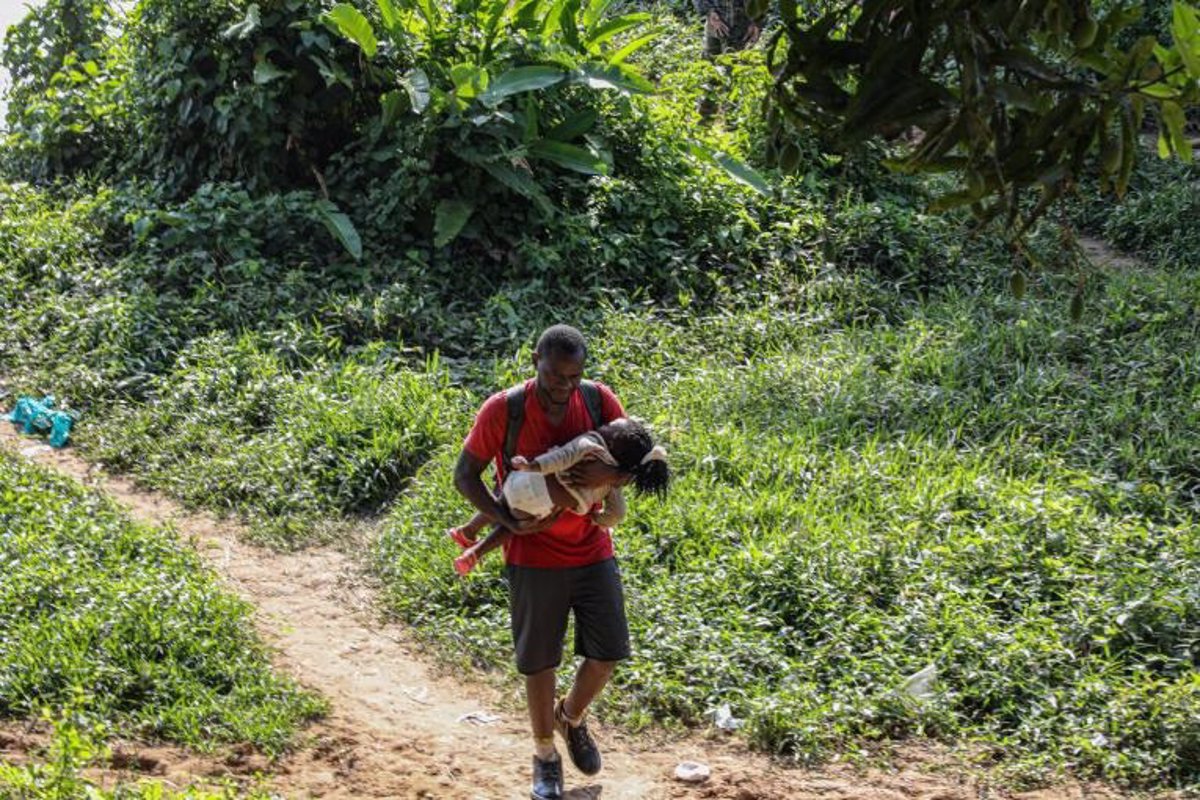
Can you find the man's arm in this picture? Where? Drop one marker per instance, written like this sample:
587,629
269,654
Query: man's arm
468,479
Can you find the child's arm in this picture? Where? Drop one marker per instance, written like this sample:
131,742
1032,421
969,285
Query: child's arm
613,511
557,459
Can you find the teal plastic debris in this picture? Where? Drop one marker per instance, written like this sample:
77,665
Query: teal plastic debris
41,415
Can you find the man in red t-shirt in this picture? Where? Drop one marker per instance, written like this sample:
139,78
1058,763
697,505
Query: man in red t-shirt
555,566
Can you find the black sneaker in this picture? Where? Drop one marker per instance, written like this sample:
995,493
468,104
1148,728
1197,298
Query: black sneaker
580,744
547,779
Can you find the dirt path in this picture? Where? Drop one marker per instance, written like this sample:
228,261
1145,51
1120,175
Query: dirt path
395,729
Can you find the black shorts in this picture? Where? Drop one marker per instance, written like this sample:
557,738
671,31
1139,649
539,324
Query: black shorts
540,600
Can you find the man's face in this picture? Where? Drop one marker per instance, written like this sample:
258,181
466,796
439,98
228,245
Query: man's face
558,375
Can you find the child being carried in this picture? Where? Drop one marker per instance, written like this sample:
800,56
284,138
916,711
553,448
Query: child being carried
538,488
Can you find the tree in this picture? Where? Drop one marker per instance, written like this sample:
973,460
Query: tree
1009,95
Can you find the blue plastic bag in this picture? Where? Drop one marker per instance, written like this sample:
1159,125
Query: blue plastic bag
41,415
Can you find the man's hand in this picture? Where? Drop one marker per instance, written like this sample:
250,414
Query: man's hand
522,464
716,25
592,472
752,33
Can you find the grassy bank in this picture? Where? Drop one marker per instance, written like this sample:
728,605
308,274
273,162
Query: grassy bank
112,628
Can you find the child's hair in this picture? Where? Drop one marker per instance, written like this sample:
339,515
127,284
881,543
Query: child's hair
629,443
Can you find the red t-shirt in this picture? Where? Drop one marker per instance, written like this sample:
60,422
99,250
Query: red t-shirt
572,540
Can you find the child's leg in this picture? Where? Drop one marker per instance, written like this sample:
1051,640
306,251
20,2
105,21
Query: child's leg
498,536
464,535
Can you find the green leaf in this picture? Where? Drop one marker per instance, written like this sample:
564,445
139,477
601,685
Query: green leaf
391,18
574,126
614,27
522,79
618,76
416,83
265,72
734,168
354,26
566,21
469,80
393,104
569,156
429,11
1185,30
342,228
520,181
449,219
240,30
594,11
1175,121
632,47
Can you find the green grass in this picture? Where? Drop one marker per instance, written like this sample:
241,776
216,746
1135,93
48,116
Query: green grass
976,483
287,442
123,627
884,460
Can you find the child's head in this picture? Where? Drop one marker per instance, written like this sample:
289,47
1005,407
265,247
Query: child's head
631,445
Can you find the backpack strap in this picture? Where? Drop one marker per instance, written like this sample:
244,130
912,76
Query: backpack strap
515,399
591,399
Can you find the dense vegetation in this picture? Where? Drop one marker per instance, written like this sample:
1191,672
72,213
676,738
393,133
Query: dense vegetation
886,458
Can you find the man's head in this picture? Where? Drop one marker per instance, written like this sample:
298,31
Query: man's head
558,359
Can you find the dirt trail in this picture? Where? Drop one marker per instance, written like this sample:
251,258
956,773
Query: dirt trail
395,729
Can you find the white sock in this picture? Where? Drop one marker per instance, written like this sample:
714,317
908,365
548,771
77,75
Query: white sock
544,749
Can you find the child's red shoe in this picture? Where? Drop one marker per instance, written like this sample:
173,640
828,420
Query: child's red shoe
457,536
465,563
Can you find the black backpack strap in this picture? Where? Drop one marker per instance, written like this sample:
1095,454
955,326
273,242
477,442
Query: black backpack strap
515,399
591,399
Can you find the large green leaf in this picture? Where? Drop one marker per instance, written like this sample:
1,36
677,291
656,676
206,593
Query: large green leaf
613,27
520,181
391,18
1185,29
1174,121
449,219
392,104
416,83
341,227
265,72
594,11
354,26
566,21
521,79
569,156
734,168
574,126
633,46
617,76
